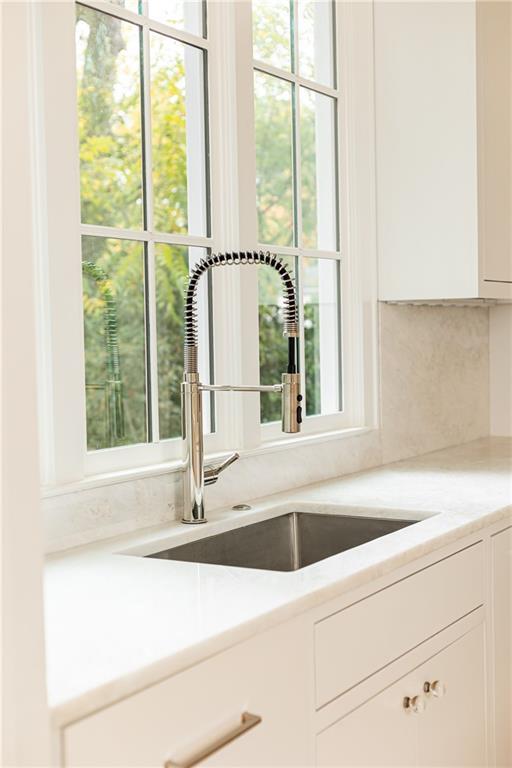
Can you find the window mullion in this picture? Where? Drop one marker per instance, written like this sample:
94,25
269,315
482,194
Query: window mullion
99,230
151,342
296,132
291,77
238,220
146,131
297,166
298,200
299,282
149,253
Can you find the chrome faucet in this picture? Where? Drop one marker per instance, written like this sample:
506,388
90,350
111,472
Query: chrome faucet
195,474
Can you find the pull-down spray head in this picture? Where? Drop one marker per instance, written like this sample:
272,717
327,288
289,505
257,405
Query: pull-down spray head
291,403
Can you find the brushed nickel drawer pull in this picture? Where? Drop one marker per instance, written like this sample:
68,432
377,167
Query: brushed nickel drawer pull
247,721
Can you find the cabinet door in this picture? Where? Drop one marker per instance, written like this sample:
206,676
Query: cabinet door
502,634
378,733
426,150
452,727
494,24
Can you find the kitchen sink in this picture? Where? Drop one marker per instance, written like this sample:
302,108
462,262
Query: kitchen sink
285,543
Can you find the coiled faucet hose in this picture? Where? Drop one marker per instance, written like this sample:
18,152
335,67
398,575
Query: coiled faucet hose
290,314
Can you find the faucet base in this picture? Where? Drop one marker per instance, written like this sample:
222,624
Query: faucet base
194,522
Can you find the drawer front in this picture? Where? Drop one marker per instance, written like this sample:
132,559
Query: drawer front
182,717
364,637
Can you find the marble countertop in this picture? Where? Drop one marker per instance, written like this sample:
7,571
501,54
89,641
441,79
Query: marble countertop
117,622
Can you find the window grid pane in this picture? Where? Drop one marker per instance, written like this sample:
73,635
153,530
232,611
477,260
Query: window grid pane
178,136
121,93
313,185
274,159
272,29
115,342
316,41
171,271
109,102
297,200
130,5
320,288
189,15
318,170
273,345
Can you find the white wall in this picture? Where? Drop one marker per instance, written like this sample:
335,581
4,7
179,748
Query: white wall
24,722
500,357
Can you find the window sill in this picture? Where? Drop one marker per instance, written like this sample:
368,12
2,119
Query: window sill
284,443
169,467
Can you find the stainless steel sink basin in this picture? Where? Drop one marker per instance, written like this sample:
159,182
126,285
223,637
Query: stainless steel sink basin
285,543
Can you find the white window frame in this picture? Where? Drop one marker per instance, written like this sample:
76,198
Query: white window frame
234,227
158,450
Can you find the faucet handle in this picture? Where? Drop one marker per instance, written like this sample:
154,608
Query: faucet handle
211,474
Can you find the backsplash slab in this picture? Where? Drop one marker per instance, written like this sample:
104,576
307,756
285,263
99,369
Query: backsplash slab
434,378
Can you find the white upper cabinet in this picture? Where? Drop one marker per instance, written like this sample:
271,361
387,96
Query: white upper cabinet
443,132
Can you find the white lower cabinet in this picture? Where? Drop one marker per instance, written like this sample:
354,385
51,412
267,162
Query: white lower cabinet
330,686
441,728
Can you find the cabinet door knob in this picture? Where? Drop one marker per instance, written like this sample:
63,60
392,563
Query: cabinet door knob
414,703
436,688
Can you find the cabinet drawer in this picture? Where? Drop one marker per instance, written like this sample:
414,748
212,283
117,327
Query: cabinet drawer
362,638
176,719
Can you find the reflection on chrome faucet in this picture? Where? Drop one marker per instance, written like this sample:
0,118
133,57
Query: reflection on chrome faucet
195,475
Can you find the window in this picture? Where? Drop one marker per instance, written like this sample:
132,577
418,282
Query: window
144,212
296,125
201,127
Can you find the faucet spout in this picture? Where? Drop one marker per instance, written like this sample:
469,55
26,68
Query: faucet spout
195,475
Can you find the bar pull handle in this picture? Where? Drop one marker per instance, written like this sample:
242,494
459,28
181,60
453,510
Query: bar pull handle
247,721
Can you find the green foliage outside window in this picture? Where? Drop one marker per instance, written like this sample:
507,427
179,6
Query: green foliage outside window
113,285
